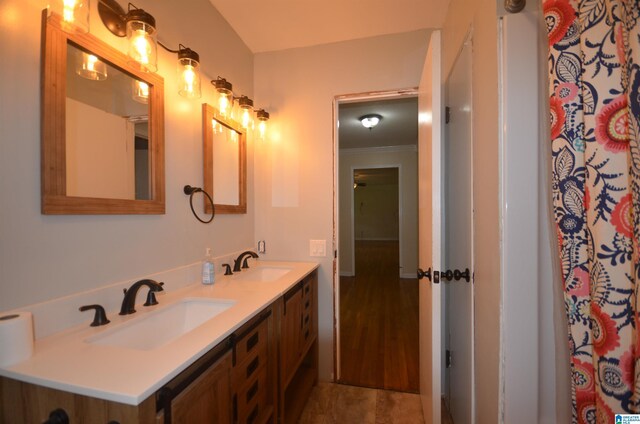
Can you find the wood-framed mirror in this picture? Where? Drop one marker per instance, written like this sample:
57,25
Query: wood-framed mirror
225,162
102,128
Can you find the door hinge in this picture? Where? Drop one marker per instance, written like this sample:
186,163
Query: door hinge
447,114
447,358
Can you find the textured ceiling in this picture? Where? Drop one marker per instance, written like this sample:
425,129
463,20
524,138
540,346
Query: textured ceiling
398,127
284,24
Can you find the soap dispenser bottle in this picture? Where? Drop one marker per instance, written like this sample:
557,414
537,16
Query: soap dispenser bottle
208,269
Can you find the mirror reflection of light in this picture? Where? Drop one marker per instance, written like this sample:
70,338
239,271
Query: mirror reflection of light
140,91
466,108
425,118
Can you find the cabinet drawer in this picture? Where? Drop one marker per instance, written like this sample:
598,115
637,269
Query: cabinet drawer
254,361
252,342
252,398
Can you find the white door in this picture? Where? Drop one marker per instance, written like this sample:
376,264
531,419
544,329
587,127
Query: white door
429,224
458,239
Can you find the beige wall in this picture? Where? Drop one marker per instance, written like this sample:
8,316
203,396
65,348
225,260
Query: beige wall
294,175
44,257
480,17
408,177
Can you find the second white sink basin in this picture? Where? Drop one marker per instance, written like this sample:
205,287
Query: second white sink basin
263,274
164,325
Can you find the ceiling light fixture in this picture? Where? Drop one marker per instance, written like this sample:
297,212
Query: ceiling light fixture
370,120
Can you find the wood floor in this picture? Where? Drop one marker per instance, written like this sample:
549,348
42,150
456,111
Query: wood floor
379,321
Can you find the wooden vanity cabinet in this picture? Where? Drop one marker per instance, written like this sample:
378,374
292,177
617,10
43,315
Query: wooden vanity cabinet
262,373
254,370
298,347
201,393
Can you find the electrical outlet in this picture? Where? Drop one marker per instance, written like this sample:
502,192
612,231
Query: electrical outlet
317,248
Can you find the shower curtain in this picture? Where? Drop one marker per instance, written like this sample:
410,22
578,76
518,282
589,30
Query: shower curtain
594,84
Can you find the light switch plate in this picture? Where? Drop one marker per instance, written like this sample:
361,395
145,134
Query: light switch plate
317,248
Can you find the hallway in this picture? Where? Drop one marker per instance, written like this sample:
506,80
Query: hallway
379,321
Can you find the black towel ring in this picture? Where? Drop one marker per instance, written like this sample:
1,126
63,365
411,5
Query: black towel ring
193,190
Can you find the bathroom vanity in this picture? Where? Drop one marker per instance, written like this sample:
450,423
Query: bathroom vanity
255,361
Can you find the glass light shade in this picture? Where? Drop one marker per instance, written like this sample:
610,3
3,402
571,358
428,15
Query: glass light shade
141,35
189,78
263,117
224,103
74,13
225,95
140,91
262,129
90,67
245,105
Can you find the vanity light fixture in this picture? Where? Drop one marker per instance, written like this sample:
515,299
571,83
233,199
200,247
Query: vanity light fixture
246,105
263,117
370,120
140,29
75,15
225,95
90,67
188,71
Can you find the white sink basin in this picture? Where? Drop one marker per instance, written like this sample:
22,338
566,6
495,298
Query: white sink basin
262,274
164,325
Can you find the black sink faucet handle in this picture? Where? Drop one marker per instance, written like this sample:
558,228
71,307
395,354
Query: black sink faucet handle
227,269
100,317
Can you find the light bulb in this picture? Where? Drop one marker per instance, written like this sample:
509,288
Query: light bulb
68,10
263,117
246,105
262,127
246,118
223,103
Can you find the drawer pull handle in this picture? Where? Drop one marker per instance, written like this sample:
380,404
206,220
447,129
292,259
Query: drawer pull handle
252,391
306,334
306,319
253,340
253,366
306,289
253,415
306,305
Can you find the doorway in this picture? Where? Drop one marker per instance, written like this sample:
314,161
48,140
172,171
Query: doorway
376,227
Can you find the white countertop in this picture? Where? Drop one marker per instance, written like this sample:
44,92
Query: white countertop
66,361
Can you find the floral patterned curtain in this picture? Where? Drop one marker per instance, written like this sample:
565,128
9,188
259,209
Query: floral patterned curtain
594,75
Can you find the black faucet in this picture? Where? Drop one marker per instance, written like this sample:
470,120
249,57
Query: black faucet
129,301
238,262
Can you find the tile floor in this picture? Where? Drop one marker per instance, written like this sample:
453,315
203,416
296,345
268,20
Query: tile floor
331,403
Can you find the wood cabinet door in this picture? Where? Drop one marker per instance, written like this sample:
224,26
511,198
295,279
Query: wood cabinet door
291,331
208,398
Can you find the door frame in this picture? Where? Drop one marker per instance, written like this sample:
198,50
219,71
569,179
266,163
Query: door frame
337,100
353,217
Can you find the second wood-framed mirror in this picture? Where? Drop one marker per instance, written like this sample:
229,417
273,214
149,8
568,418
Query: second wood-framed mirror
102,128
225,162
